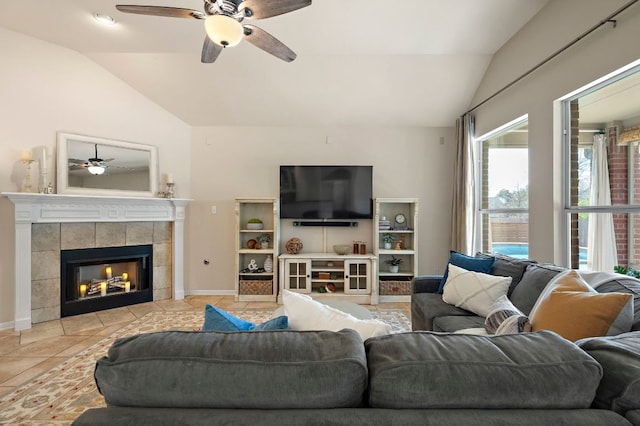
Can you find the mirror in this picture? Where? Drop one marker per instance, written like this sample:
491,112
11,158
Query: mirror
94,166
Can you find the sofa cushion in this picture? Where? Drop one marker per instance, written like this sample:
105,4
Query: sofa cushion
216,319
425,307
534,280
507,266
571,308
620,359
434,370
267,369
623,284
503,310
307,314
457,322
473,291
469,263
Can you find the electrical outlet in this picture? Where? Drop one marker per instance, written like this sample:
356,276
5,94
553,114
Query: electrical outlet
214,209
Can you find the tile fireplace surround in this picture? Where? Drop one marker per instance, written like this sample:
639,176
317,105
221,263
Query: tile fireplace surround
104,214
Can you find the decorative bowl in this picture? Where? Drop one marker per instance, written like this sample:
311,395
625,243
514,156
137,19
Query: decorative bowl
254,226
342,249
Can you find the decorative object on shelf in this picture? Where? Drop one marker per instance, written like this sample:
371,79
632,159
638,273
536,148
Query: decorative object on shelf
401,223
394,264
252,266
363,247
42,186
255,224
388,240
294,246
330,287
399,245
268,264
26,158
264,240
251,244
342,249
384,224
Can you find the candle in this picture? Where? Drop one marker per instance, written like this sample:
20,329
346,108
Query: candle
103,288
83,290
43,162
125,276
169,177
26,156
127,286
108,271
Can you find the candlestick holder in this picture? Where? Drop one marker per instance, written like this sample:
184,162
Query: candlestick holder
26,182
169,193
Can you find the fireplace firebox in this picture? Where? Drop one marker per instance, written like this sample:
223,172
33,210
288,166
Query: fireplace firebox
95,279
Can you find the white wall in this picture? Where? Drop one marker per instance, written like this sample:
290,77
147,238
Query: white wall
602,52
45,88
244,162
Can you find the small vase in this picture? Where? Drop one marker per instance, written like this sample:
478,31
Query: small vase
264,245
394,269
387,246
268,264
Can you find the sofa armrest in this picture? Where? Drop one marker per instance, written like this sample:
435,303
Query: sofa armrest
425,283
619,356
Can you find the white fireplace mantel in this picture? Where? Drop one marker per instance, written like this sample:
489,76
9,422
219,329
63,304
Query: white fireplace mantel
57,208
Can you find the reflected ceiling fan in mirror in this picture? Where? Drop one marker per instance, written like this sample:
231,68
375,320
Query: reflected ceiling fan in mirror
95,165
224,23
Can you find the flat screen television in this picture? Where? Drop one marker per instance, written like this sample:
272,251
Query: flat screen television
326,192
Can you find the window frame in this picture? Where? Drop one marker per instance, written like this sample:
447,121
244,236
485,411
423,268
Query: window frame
479,155
569,209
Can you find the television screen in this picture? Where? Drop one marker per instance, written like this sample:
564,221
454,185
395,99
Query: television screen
326,192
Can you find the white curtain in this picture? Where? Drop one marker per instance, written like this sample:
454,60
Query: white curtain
602,255
463,203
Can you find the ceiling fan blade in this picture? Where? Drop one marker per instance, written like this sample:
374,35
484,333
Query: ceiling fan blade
171,12
210,51
265,41
260,9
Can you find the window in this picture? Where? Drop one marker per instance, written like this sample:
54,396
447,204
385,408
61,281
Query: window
602,174
502,222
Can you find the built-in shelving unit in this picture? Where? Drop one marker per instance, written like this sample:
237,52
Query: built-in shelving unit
254,280
388,223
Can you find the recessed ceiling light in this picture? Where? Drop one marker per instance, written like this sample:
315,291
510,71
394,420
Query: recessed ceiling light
104,19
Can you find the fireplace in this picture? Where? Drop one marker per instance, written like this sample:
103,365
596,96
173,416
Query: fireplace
95,279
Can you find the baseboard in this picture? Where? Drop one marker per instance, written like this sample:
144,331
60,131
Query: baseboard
7,325
209,293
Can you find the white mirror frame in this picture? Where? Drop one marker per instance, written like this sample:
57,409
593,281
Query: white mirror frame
63,161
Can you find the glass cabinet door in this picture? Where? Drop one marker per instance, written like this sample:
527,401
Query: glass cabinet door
298,275
357,276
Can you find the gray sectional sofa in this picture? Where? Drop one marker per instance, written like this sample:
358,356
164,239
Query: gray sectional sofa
430,312
334,378
619,389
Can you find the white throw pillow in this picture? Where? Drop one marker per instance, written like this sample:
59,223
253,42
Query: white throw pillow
473,291
304,313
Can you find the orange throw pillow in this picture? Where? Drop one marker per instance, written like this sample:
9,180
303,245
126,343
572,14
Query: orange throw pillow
574,310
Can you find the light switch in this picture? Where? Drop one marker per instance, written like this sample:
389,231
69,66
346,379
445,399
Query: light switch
214,210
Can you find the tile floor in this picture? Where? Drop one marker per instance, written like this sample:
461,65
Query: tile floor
27,354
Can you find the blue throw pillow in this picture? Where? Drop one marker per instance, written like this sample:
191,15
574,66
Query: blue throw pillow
475,264
216,319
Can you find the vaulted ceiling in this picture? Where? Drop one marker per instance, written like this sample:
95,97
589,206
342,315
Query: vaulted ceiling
360,62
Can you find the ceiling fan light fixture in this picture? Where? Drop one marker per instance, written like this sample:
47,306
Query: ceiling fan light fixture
223,30
96,170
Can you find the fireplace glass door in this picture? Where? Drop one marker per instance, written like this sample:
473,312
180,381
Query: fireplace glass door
104,278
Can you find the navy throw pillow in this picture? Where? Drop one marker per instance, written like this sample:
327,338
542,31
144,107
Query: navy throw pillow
216,319
475,264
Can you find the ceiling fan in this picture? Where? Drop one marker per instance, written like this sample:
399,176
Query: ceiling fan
224,23
95,165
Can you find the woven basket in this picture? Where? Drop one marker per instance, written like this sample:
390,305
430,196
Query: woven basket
390,287
256,287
